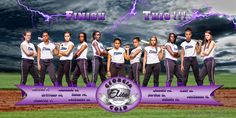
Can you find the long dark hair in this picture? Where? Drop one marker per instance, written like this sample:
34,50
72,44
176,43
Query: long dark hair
206,41
93,35
170,36
85,36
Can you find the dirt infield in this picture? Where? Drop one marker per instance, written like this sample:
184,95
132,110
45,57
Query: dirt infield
8,99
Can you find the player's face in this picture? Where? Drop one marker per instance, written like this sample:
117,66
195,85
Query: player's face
188,35
135,43
67,37
27,36
153,41
97,35
172,38
207,36
81,37
117,44
45,37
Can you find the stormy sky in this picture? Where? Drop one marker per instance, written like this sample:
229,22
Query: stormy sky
15,19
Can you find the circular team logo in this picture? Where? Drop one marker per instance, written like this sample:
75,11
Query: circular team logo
118,94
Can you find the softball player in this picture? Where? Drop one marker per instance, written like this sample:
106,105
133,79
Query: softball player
46,50
116,59
66,55
28,53
134,58
208,55
189,51
151,61
82,64
171,56
98,54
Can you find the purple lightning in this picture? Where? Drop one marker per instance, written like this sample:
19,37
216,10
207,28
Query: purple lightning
47,17
131,13
197,14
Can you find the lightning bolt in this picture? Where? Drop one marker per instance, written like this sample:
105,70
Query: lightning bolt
197,14
131,13
47,17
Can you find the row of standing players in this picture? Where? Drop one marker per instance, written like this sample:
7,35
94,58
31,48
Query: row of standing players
116,57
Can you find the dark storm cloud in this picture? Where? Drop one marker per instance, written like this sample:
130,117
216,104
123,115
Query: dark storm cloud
219,27
223,53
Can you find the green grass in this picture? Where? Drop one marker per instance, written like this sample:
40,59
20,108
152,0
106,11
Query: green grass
9,80
136,113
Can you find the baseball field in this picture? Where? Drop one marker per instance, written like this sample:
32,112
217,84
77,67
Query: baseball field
10,95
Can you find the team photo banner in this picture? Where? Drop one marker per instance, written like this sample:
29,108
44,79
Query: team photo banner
149,95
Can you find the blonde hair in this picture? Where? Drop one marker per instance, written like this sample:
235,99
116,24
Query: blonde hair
151,39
